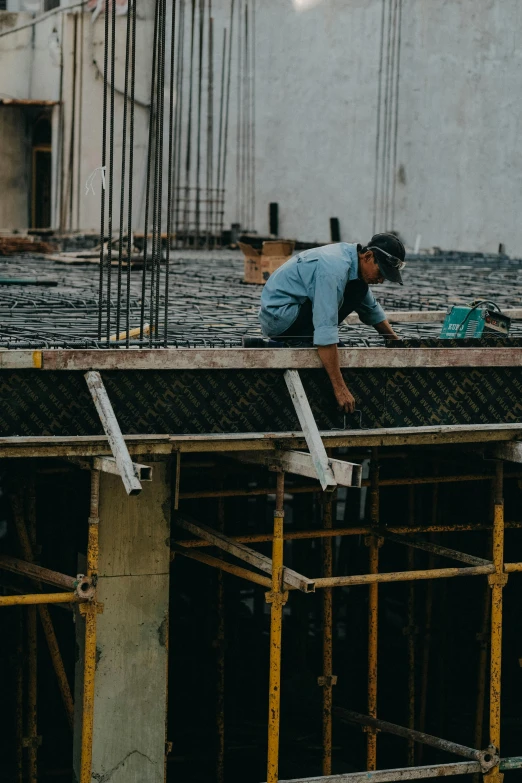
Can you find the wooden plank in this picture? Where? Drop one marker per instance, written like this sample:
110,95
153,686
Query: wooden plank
426,316
347,474
309,426
98,445
113,432
243,552
275,358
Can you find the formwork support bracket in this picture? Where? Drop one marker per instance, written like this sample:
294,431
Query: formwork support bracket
109,465
347,474
112,430
310,430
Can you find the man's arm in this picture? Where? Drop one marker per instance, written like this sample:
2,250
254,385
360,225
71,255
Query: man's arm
384,328
329,355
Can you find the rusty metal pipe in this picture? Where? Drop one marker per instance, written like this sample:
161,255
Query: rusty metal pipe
486,758
89,611
259,538
373,542
277,598
26,546
32,599
392,775
17,566
394,482
220,662
497,582
327,680
403,576
411,631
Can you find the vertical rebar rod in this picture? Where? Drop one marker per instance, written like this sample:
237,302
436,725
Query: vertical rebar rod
198,126
411,634
123,166
32,715
170,176
132,10
210,128
497,581
89,611
227,104
373,612
220,644
327,680
178,119
111,165
188,149
104,165
253,121
277,597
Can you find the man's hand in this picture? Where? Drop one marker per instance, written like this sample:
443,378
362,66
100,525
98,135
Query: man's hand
329,356
345,399
384,328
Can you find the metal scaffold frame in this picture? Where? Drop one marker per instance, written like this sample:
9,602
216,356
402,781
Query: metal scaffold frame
484,762
79,590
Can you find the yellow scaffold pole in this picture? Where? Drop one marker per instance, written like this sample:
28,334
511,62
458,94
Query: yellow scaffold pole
277,598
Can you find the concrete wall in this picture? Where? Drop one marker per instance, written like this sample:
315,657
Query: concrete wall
316,116
15,174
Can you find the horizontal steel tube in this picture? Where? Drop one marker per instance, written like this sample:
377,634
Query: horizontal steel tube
395,482
349,716
511,568
402,576
16,566
514,762
230,568
259,538
392,775
435,549
38,598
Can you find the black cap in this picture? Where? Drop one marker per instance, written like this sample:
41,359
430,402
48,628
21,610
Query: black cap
389,254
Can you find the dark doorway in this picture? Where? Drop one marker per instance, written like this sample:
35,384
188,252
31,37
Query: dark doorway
42,174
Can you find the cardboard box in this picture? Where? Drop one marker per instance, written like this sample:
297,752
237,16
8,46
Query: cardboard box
259,266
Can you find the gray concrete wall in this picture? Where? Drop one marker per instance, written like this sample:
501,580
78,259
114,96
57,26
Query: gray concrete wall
132,633
14,168
316,116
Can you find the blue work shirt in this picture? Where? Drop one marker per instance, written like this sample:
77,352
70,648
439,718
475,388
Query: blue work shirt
320,275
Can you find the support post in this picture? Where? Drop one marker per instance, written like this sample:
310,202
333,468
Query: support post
497,582
328,680
412,631
277,598
26,547
19,696
126,645
113,432
89,612
373,542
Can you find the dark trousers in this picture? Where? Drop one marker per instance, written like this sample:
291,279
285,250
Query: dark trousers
303,325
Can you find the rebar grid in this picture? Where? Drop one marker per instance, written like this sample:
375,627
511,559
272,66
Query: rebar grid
209,305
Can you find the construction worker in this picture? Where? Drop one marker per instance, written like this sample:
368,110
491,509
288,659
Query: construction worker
314,291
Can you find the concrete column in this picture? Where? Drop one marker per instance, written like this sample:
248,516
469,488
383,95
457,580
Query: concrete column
132,633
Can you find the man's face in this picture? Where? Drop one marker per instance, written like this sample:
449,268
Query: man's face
369,269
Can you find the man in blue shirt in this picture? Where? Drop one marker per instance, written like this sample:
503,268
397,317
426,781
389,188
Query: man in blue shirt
313,292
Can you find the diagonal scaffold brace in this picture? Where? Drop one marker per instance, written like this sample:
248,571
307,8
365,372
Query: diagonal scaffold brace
112,429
